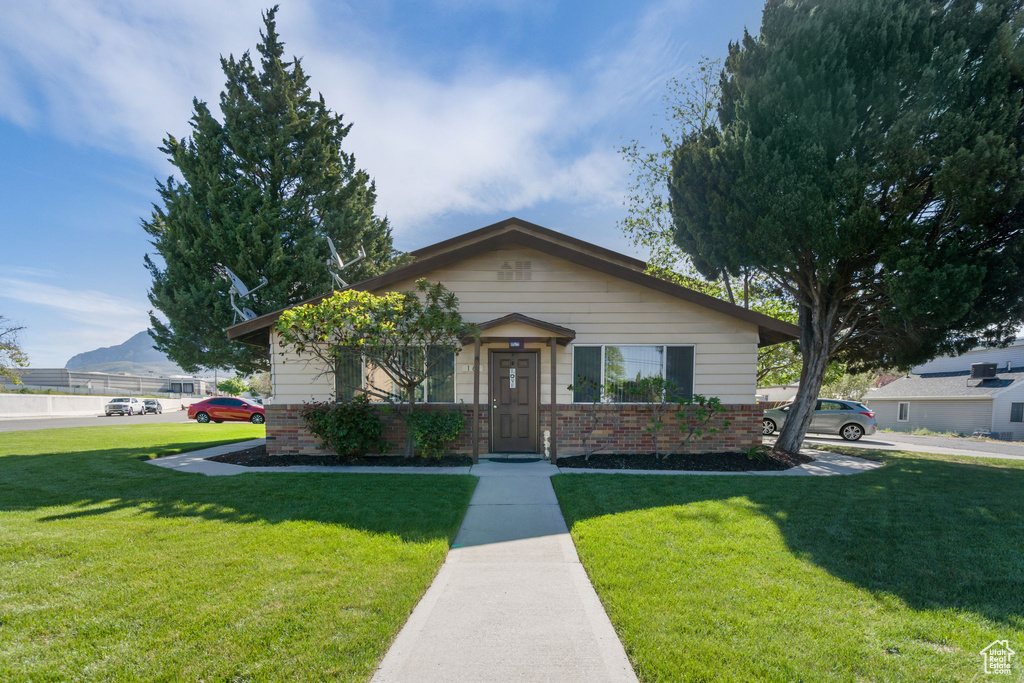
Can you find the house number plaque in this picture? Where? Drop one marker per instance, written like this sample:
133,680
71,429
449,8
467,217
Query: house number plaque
512,378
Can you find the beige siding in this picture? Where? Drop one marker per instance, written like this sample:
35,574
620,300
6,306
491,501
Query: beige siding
940,415
601,309
1001,414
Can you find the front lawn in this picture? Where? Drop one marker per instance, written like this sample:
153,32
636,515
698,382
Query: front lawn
902,573
112,569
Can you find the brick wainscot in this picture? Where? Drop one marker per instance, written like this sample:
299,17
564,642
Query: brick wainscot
621,429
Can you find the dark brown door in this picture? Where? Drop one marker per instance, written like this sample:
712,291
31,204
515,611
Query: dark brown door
514,402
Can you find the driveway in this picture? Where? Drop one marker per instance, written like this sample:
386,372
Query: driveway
939,445
19,424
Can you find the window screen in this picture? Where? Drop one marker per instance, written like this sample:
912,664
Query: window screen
1017,412
441,380
679,370
586,366
348,376
903,413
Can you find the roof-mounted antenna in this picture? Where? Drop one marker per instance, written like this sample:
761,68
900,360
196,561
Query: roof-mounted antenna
238,288
336,263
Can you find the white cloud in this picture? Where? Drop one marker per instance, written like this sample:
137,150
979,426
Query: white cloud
120,75
99,319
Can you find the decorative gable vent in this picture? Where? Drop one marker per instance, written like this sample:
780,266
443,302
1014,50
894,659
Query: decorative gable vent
515,270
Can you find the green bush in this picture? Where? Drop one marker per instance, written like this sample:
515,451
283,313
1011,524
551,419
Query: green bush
433,430
350,428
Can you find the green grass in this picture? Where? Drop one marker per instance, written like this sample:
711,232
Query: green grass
112,569
899,574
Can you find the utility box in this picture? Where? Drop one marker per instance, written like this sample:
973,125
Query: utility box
983,370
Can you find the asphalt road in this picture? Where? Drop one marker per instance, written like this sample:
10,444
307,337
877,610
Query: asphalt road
940,445
19,425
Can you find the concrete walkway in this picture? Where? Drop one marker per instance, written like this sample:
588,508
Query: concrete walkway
825,464
512,601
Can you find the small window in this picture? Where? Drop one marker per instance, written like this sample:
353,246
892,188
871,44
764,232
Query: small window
903,412
1017,412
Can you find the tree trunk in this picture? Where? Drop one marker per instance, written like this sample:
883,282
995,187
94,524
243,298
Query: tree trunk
815,347
410,441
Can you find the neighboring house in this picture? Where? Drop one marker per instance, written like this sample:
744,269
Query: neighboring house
550,308
777,394
941,395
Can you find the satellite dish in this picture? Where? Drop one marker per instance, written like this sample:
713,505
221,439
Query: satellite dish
336,263
238,288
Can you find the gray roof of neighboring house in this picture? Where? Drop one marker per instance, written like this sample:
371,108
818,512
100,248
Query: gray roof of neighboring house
946,385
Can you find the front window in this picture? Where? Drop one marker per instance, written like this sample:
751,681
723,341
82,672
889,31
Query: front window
353,376
903,412
1017,412
613,373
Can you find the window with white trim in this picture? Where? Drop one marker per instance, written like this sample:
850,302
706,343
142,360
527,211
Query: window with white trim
903,411
616,369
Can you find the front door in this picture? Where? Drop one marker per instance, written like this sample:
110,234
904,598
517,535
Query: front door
514,416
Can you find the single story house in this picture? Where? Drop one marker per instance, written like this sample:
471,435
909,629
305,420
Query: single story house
550,308
943,396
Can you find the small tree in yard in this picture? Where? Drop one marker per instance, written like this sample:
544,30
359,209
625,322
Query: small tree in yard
11,355
592,389
232,386
403,335
867,159
260,384
693,413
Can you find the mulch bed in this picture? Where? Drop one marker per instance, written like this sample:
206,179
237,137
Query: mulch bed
698,462
257,457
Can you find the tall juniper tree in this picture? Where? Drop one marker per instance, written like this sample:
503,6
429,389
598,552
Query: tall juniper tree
258,193
867,157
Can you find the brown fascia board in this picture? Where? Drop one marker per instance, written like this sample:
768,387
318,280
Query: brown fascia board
512,224
771,330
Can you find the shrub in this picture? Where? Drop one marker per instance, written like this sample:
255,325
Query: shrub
433,430
350,428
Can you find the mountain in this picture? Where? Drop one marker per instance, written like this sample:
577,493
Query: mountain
135,356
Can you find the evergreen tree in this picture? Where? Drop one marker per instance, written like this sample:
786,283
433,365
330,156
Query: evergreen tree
259,193
867,158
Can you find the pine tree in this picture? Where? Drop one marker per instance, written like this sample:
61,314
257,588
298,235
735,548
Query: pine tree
259,193
867,159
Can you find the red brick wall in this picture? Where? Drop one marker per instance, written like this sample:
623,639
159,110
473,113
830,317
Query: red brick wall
621,428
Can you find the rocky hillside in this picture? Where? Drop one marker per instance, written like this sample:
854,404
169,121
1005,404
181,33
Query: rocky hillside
135,356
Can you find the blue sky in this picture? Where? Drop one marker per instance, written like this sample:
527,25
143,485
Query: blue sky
465,112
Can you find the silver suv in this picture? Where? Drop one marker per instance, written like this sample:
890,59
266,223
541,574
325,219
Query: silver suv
849,419
124,406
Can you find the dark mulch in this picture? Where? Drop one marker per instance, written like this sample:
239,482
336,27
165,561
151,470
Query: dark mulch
701,462
257,457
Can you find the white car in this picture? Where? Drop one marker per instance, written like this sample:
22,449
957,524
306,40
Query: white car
124,406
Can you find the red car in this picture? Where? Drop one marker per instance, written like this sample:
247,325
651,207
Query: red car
227,409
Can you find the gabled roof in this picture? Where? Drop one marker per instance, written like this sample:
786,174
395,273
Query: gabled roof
939,385
515,232
563,335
